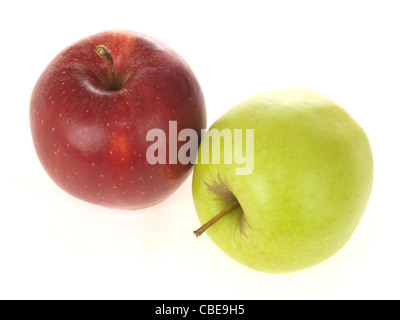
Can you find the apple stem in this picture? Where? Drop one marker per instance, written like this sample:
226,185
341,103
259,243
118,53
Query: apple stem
105,53
218,217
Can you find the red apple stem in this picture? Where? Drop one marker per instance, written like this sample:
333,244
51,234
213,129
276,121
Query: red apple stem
105,53
218,217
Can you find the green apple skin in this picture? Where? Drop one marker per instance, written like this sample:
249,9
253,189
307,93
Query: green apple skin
312,178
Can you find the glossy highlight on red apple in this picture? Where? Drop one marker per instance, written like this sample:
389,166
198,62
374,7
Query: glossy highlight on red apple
89,122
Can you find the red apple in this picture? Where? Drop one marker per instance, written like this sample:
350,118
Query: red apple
90,117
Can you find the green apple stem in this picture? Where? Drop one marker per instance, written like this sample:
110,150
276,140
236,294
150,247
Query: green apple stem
218,217
105,53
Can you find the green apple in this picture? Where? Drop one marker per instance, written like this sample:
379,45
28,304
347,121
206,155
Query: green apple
308,188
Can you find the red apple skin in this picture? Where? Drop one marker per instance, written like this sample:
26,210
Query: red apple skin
92,141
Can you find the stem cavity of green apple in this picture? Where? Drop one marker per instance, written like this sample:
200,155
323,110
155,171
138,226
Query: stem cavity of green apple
218,217
105,53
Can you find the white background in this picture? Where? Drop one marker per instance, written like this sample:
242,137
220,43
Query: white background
54,246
